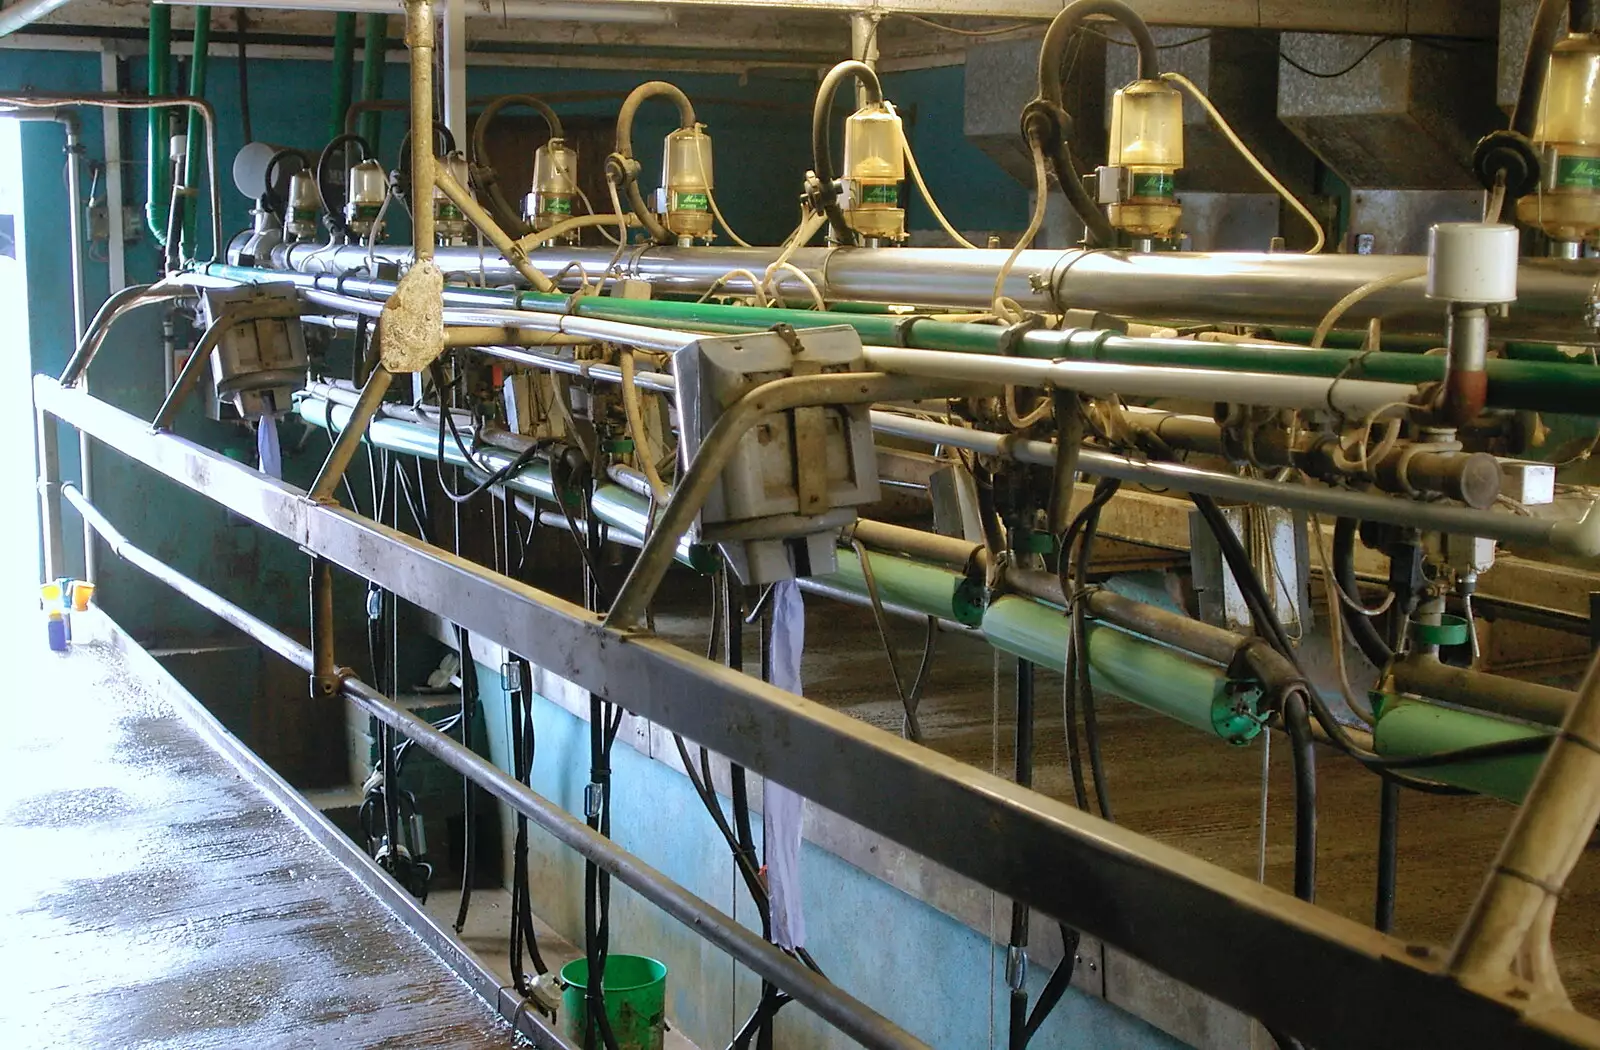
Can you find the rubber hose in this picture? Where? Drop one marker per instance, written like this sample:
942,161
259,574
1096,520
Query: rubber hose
509,218
335,213
1069,19
1543,36
1362,629
821,148
630,108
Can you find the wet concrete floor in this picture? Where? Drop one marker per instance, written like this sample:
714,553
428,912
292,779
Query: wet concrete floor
152,897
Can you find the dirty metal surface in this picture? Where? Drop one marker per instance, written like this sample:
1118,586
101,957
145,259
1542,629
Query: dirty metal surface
151,896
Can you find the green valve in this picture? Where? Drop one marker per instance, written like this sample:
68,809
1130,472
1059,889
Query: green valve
622,446
1450,630
1038,543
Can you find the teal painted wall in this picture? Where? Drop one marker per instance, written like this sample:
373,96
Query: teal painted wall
973,191
916,965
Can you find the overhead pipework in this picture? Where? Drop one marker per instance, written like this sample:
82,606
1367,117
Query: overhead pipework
1257,495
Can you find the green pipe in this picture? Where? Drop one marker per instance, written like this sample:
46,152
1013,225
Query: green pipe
1409,727
1173,683
158,81
198,64
1532,385
344,53
374,45
912,584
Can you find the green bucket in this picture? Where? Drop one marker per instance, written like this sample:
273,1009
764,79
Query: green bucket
636,1000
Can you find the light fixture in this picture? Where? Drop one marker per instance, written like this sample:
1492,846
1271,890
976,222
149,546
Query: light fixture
521,10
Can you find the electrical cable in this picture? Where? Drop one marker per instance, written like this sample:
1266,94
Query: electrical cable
1343,580
1244,151
1336,74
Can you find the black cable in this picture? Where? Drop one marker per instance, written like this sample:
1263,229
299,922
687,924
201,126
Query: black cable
1362,630
269,192
1080,633
1388,856
1017,944
1336,74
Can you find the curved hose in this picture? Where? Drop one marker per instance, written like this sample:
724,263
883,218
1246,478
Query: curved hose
335,213
1362,629
630,108
1536,64
483,171
1051,53
269,194
1069,19
822,149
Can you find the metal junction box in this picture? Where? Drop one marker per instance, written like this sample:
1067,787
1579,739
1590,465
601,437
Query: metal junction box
796,477
261,360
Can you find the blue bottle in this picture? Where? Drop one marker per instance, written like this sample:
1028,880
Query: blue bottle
57,630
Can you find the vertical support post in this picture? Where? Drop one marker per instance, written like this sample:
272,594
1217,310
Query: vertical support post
195,136
158,81
325,677
420,42
74,132
116,260
50,495
372,63
455,69
864,46
344,53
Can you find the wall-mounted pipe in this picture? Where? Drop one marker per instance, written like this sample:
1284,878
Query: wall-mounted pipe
199,62
373,44
344,52
158,150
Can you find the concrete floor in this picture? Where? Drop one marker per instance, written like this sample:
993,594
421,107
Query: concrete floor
151,896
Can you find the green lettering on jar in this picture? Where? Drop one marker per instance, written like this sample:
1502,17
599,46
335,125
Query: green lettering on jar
558,205
691,202
1152,184
880,193
1578,173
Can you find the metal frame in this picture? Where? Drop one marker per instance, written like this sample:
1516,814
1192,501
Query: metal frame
1257,949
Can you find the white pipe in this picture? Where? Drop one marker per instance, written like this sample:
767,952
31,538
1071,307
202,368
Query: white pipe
531,10
25,13
1359,398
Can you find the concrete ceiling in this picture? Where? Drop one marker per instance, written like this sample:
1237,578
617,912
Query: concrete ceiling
806,33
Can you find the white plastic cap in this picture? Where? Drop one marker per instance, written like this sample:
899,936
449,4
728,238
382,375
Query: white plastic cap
1472,262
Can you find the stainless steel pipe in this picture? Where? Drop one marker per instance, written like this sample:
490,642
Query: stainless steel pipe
1557,298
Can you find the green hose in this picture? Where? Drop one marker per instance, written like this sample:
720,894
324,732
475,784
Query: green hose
198,64
374,43
1411,727
344,50
158,81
